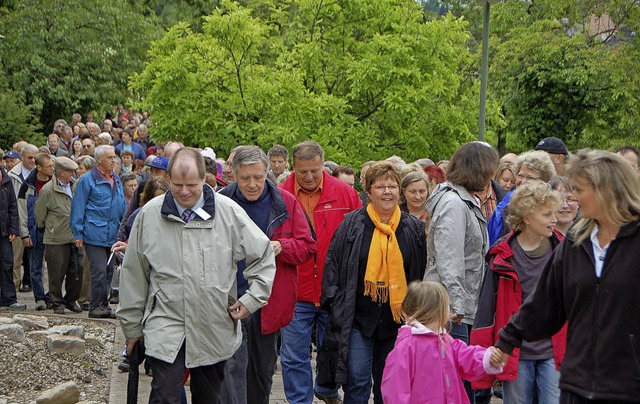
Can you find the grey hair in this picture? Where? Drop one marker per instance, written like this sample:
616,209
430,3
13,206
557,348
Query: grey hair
27,148
101,150
128,176
105,136
308,150
397,161
87,162
247,155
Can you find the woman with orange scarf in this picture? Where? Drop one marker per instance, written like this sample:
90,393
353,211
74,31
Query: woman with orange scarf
374,254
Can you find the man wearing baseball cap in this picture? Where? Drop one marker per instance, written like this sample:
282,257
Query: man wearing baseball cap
11,159
557,151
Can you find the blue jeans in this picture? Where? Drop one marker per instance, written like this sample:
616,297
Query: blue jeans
533,374
461,332
36,255
367,357
295,357
7,287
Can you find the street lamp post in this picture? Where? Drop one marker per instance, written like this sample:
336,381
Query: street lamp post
484,66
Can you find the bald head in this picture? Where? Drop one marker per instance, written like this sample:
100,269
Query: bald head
184,160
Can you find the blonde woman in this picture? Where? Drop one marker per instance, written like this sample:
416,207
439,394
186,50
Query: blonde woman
592,283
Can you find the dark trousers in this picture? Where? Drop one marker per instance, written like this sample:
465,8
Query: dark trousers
168,381
567,397
63,266
7,287
26,267
249,372
101,274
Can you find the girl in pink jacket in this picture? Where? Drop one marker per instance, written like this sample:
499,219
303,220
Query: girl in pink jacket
426,366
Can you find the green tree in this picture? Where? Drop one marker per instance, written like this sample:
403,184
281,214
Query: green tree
60,57
365,79
561,68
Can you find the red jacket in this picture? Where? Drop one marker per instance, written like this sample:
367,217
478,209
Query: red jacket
500,298
336,200
289,225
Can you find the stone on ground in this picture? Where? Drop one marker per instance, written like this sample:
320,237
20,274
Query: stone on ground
65,344
30,323
14,332
66,393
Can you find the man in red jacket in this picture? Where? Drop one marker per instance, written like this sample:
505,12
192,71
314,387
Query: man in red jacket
325,200
249,373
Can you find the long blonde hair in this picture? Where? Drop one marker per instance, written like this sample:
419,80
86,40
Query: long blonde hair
616,185
426,302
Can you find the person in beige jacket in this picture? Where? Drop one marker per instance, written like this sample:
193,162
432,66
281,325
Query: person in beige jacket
52,209
178,282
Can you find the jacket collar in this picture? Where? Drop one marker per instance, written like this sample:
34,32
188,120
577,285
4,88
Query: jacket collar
328,193
169,207
97,177
279,213
57,187
501,252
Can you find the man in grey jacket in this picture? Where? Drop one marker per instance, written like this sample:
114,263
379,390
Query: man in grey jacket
178,284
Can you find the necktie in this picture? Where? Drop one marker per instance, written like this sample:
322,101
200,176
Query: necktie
187,215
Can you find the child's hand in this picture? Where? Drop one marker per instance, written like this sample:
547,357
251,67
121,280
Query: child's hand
498,358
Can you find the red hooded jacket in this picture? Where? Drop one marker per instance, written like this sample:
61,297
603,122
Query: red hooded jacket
500,298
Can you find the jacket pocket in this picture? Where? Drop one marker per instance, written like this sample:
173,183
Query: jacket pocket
150,307
208,268
96,230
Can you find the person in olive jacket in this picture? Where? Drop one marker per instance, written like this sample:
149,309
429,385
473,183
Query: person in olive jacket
8,231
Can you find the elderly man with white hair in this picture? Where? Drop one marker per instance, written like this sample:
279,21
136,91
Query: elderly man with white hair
96,210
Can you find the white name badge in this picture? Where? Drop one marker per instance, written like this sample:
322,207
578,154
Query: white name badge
202,213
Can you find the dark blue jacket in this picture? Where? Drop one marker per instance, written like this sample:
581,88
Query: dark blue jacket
8,207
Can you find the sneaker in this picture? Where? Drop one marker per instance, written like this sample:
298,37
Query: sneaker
25,288
73,307
115,297
14,306
100,312
41,305
58,310
84,306
327,399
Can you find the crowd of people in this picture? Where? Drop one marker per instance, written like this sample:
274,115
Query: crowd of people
435,282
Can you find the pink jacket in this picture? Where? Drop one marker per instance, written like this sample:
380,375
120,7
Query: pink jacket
422,369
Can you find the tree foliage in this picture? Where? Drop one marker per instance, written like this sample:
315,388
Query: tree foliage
562,68
365,79
61,57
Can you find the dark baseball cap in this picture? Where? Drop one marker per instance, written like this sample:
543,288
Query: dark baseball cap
552,145
12,155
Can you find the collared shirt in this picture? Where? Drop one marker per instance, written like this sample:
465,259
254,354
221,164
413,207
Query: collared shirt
599,253
25,172
66,187
195,208
307,199
108,178
488,205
